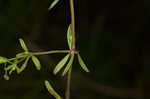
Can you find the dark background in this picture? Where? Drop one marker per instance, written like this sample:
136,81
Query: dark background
112,36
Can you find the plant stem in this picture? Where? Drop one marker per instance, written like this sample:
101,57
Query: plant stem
72,23
68,83
73,47
50,52
11,59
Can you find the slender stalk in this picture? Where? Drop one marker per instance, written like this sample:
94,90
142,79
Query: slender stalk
68,83
11,59
72,47
50,52
72,23
42,53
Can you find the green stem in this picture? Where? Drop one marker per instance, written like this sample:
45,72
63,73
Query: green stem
68,83
22,59
50,52
73,48
72,23
41,53
11,59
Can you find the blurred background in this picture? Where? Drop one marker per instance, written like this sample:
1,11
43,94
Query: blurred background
112,37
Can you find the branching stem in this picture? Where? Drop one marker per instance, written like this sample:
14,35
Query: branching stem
73,47
44,53
50,52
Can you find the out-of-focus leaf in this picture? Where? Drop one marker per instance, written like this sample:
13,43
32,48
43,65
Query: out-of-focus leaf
68,65
69,36
12,68
24,65
23,45
53,4
17,69
36,62
51,90
81,62
60,65
3,60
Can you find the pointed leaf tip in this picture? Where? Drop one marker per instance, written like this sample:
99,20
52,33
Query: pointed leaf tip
23,45
51,90
53,4
82,64
60,65
36,62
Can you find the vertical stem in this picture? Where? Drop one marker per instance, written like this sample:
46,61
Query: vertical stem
68,84
72,47
72,23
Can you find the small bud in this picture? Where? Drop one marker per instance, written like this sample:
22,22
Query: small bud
6,77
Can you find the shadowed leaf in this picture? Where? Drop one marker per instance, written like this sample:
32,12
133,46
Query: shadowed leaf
60,65
51,90
81,62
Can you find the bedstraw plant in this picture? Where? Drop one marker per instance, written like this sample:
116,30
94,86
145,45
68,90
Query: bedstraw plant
13,64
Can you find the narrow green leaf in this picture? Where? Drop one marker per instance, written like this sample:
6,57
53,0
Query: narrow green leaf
13,69
69,36
3,60
17,69
60,65
51,90
53,4
81,62
10,67
24,65
23,45
68,65
36,62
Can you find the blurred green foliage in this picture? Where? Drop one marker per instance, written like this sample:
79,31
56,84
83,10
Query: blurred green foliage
111,34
